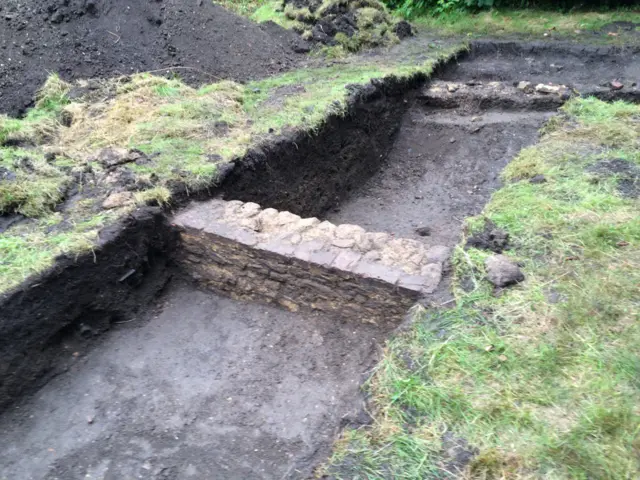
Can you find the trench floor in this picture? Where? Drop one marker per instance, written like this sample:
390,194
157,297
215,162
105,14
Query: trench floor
203,388
442,169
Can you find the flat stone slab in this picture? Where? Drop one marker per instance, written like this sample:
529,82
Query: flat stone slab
234,247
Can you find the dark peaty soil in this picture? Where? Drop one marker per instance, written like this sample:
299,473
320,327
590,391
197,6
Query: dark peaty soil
106,38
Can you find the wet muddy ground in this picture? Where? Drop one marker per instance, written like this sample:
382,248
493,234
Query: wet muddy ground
571,65
205,387
199,41
447,159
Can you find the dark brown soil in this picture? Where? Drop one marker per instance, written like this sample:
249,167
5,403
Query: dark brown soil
626,173
80,298
204,387
309,174
202,42
453,145
578,66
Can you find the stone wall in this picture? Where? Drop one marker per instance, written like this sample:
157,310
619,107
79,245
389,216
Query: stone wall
259,254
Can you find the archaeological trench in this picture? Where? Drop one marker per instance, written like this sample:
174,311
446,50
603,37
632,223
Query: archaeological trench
229,338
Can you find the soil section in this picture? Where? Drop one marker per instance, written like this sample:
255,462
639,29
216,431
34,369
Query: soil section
210,388
106,283
309,174
80,298
156,398
107,38
452,147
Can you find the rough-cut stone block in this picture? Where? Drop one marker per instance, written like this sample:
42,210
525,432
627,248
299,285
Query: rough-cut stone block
324,258
438,254
343,242
252,223
414,283
346,260
349,231
306,249
249,210
268,217
232,207
285,218
432,274
378,239
279,247
377,271
327,228
372,257
307,223
502,271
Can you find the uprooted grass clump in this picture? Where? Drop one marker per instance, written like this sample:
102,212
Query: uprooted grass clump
539,381
348,25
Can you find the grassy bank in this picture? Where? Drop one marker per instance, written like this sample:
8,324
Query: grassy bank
541,380
51,161
538,24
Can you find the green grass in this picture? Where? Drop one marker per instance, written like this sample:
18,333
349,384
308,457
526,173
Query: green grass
542,388
320,91
31,248
534,23
528,23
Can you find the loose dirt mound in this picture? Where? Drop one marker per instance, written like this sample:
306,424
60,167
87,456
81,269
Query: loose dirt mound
104,38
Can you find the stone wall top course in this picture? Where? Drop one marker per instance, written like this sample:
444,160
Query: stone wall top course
406,263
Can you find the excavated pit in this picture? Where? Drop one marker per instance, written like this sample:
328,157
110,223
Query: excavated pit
214,378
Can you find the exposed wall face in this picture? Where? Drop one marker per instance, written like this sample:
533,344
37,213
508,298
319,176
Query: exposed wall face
246,252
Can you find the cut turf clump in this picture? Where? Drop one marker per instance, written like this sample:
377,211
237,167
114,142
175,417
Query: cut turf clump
541,379
351,25
185,132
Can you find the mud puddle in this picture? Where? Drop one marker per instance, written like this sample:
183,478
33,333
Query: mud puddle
205,387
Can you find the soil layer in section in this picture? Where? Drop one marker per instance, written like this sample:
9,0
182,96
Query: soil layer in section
197,386
442,169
